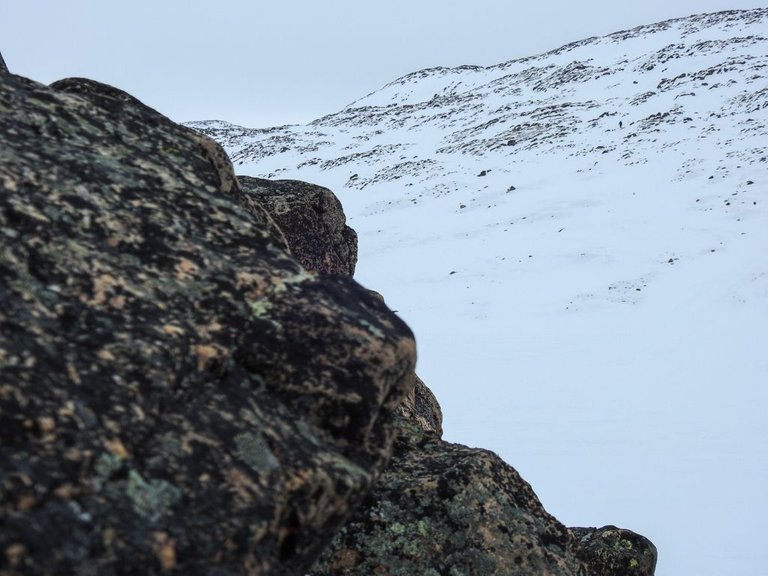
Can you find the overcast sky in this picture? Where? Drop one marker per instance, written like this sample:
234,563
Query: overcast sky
262,64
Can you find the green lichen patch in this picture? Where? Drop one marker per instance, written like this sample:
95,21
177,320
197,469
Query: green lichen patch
254,451
152,499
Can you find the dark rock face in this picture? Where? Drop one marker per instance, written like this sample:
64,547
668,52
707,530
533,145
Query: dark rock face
443,509
3,67
611,551
177,394
422,408
312,220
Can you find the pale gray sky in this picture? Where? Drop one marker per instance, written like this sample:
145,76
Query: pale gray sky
289,61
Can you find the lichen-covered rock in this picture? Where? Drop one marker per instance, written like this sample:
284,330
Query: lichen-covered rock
611,551
312,220
177,394
445,509
422,408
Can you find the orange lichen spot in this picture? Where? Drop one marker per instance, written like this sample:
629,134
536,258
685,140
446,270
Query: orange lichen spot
165,550
137,410
73,374
117,301
206,353
243,278
46,424
105,355
346,559
173,330
241,484
67,410
101,285
185,269
64,491
14,553
26,502
207,330
108,537
117,448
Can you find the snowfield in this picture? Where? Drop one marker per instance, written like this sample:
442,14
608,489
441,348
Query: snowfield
590,299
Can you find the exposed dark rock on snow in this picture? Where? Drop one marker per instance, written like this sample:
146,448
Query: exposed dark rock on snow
177,394
443,508
312,220
611,551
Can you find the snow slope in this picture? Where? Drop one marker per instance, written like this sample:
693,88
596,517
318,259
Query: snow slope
590,301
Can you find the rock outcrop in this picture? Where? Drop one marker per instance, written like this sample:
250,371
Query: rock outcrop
443,508
3,67
314,225
312,220
611,551
177,394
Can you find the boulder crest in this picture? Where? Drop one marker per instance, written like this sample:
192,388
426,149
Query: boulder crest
3,67
444,508
177,394
612,551
312,220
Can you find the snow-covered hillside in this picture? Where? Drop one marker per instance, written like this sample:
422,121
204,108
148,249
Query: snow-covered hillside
579,241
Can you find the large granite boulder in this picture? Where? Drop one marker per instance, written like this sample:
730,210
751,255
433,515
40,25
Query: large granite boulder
177,394
445,509
312,220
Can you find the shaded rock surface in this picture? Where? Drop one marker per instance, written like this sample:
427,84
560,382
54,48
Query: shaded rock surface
611,551
177,394
422,408
312,220
445,509
3,67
